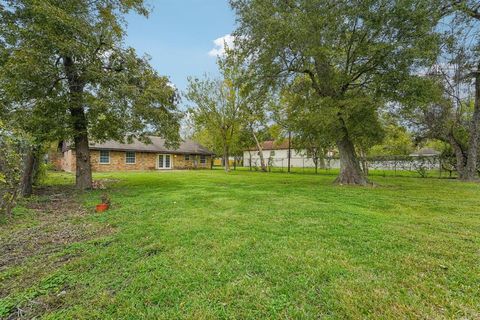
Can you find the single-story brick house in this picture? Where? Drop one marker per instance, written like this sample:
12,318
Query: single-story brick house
116,156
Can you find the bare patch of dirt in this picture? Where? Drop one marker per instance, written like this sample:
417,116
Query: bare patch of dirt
31,247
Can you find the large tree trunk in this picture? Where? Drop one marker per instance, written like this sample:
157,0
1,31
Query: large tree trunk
471,167
79,124
83,172
350,171
260,152
28,173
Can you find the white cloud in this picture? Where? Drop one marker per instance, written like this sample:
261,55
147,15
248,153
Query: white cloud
220,44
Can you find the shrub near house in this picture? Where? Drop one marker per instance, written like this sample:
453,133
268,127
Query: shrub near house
115,156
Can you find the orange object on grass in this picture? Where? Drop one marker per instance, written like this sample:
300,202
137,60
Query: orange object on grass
101,207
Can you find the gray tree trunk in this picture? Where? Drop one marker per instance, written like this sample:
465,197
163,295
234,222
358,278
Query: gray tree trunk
260,152
350,171
471,166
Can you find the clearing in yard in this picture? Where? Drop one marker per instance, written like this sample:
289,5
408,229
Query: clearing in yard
244,245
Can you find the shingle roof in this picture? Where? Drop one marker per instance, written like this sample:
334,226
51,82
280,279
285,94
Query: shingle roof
272,145
157,145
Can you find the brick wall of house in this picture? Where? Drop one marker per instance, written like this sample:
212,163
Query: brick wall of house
143,161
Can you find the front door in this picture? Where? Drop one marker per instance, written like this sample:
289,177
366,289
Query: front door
164,161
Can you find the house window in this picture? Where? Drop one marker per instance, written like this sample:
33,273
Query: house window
187,157
164,161
130,157
203,159
104,156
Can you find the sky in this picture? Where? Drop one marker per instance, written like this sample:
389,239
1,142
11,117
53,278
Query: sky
182,37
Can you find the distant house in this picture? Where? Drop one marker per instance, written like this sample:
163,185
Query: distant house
275,154
425,152
115,156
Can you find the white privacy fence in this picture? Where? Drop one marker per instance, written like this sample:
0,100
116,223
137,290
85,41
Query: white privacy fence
419,164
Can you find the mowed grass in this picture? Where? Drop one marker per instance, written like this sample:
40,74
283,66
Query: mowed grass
251,245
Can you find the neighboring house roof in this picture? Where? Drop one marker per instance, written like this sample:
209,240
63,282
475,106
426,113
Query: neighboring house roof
425,152
272,145
157,145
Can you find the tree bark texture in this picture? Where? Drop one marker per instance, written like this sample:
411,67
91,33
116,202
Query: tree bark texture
79,123
350,171
28,173
471,165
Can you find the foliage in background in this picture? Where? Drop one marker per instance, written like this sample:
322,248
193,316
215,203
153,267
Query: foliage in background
297,111
13,148
217,112
451,112
396,142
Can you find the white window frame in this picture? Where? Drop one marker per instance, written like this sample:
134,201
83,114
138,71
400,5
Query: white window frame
134,157
100,157
163,156
187,157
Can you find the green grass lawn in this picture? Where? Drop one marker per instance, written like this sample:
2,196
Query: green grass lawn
250,245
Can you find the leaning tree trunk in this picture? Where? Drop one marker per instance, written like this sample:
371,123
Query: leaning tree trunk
79,125
471,167
350,171
460,157
260,152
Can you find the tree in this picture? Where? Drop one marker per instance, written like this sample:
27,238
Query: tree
22,118
462,54
13,148
217,108
297,111
252,100
355,53
451,112
397,142
255,116
67,57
